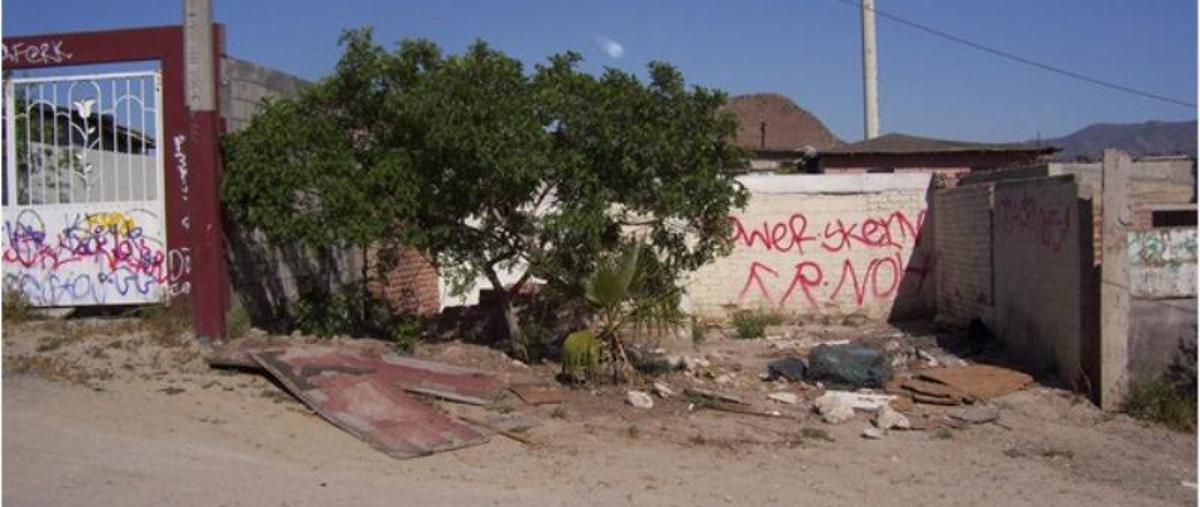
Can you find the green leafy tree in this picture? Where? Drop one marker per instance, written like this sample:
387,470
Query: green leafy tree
489,168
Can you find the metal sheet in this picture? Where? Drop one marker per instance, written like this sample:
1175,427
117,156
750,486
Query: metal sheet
365,404
413,375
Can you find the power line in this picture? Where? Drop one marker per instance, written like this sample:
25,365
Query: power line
1021,59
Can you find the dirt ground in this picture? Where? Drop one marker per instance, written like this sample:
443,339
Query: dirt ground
108,412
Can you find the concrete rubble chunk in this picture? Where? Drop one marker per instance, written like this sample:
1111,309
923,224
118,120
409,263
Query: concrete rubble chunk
834,409
784,397
639,399
977,414
662,390
872,433
886,419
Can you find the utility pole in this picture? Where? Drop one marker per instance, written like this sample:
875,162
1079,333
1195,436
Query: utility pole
870,77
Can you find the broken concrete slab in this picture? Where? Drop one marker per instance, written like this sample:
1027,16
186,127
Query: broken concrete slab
859,401
368,406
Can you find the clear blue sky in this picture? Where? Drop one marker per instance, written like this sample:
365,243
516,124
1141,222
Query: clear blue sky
806,49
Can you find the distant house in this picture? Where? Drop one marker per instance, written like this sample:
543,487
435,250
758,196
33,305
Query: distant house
906,153
778,133
69,126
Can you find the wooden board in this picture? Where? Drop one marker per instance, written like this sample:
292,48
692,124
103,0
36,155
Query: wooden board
979,380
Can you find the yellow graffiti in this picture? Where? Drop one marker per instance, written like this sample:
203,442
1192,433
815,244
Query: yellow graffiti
116,222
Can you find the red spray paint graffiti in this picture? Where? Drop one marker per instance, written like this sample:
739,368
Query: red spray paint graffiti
1046,226
857,277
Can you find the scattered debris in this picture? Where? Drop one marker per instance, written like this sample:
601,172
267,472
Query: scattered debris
789,368
980,380
713,395
928,392
508,433
849,365
977,414
538,393
886,419
662,390
784,397
873,433
724,379
639,399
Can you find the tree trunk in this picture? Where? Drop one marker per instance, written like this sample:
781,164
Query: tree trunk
504,306
513,327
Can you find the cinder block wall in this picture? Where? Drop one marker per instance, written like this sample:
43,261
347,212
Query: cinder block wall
1042,260
267,277
826,245
963,239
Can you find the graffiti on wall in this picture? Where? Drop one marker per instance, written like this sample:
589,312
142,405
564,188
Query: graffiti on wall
87,258
1030,220
36,54
858,260
1162,246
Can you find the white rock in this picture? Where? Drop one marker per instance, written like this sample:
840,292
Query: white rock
784,397
724,379
676,362
639,399
886,418
873,433
663,390
837,414
519,364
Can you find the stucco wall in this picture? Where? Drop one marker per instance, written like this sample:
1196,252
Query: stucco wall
825,245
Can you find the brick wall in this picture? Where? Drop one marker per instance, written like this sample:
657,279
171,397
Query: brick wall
963,241
1043,268
411,287
830,245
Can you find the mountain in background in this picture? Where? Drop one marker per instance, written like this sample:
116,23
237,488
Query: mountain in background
1138,139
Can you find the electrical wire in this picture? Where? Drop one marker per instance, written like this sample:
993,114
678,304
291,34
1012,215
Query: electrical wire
1023,60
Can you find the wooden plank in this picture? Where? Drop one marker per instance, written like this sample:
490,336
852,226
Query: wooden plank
979,380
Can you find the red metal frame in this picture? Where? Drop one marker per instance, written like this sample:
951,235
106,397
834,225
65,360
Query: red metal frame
194,227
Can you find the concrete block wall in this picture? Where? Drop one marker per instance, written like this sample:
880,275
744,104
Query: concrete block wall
1044,290
267,277
829,245
963,240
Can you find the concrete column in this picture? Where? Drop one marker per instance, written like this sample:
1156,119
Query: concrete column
210,278
1114,280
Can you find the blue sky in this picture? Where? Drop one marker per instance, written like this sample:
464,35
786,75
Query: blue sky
806,49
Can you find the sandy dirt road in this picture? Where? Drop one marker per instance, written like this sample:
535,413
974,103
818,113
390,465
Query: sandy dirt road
193,436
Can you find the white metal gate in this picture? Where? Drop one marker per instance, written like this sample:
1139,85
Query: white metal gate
84,212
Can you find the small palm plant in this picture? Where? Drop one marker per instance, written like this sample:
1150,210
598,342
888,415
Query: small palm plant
623,291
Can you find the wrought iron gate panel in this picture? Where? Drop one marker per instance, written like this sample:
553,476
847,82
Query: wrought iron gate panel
84,196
